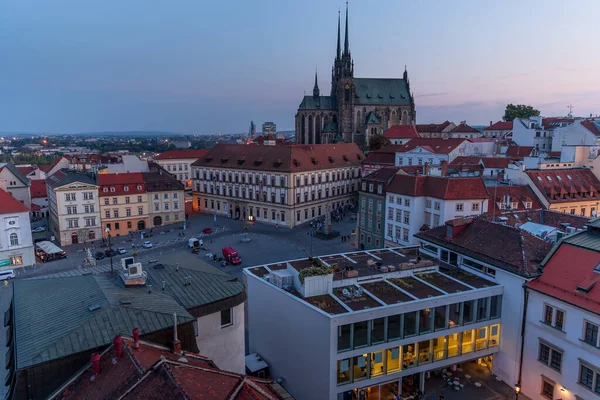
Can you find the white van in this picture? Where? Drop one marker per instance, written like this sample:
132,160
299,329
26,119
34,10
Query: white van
7,274
194,243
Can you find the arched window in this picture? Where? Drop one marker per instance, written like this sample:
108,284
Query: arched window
310,130
404,117
347,94
14,239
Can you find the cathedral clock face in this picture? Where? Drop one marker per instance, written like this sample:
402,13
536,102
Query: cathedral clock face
347,86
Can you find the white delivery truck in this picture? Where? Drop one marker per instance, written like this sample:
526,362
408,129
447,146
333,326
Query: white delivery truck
194,243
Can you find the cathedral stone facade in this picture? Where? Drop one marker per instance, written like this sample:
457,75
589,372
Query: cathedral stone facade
356,108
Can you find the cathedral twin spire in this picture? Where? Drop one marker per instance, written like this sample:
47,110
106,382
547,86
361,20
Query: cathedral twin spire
339,39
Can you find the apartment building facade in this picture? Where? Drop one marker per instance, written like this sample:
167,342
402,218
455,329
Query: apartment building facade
561,357
73,207
16,245
179,164
417,202
284,185
165,198
368,333
123,203
17,185
417,152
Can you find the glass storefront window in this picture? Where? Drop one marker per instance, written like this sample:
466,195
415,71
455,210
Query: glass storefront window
439,348
377,364
467,341
410,324
424,352
361,334
468,311
454,315
425,321
481,342
393,327
344,337
453,347
388,390
496,306
360,367
482,310
439,321
343,371
494,335
378,331
409,355
393,360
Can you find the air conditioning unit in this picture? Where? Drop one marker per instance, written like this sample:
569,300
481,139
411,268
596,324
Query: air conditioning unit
571,230
282,278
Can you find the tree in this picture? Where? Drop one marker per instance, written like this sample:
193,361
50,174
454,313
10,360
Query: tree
378,141
519,111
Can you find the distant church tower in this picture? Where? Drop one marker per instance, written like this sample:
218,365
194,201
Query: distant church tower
342,86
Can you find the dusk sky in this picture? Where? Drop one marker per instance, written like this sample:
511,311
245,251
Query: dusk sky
207,67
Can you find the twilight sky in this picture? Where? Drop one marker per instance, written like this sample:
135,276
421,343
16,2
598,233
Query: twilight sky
196,66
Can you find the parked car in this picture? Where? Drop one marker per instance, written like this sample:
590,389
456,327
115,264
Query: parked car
38,229
7,274
99,256
121,250
207,231
147,244
110,252
231,255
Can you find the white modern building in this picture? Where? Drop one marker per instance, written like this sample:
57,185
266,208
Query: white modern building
16,245
74,207
179,163
507,256
537,131
561,357
582,132
368,324
414,202
500,129
432,151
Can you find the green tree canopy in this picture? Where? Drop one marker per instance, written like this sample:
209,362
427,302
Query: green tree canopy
378,141
519,111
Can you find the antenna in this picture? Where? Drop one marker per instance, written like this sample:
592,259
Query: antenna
570,107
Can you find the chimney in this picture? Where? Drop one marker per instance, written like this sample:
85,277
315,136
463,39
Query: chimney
444,165
176,342
118,343
136,338
491,123
96,364
426,169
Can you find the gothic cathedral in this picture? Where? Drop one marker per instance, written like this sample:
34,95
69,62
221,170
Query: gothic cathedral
356,107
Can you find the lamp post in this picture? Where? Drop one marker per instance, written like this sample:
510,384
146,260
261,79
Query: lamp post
311,235
107,230
517,390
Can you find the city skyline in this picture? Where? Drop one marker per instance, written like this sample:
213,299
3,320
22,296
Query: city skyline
207,68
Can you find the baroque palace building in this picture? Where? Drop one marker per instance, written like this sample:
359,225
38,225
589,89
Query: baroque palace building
356,107
284,185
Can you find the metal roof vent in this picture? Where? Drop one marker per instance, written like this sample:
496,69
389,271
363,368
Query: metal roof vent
94,307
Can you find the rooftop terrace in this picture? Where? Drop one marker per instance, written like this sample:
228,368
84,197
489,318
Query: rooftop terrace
356,281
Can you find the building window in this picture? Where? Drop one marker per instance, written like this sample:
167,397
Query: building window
428,203
226,318
106,201
140,210
128,224
459,206
107,213
406,217
590,333
114,200
554,317
547,389
14,239
550,356
139,199
116,213
16,260
475,207
128,212
398,216
436,206
548,312
405,235
586,377
127,200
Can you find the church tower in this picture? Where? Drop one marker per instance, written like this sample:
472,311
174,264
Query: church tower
345,90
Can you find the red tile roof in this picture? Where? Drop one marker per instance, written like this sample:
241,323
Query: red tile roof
26,170
432,127
434,145
38,189
385,156
506,247
131,180
500,126
517,152
592,127
91,159
561,282
488,162
45,167
284,158
539,216
10,205
550,123
520,194
464,128
439,187
181,154
465,160
401,132
154,372
565,185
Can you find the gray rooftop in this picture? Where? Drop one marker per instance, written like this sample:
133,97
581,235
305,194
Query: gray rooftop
324,103
57,317
15,171
64,177
381,91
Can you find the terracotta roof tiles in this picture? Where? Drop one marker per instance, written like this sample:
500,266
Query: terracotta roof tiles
401,132
38,189
566,185
10,205
435,145
429,128
500,126
181,154
438,187
464,128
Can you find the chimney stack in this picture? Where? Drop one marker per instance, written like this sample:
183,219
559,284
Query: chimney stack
426,169
118,343
444,165
491,123
176,342
136,338
96,364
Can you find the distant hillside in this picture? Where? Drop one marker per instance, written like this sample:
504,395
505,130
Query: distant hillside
130,133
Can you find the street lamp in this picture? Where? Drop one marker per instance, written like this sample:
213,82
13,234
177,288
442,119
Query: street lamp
107,230
517,390
311,235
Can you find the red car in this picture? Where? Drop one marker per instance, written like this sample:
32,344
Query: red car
207,230
231,255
